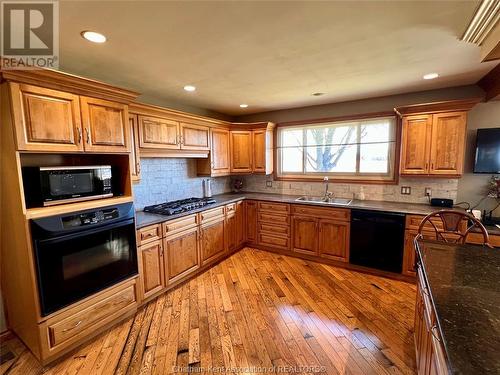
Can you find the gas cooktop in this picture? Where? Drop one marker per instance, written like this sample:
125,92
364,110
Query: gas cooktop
175,207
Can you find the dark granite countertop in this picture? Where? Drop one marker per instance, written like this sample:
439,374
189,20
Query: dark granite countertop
463,281
144,219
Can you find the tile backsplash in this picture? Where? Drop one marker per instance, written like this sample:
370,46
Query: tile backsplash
167,179
442,188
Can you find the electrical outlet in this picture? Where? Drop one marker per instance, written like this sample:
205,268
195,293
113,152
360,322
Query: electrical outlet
405,190
269,184
428,192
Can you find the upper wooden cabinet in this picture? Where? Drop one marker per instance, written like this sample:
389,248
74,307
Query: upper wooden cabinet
219,161
433,138
158,133
241,151
194,137
57,121
105,124
45,119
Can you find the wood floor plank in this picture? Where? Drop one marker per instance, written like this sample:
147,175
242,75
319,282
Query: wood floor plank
254,309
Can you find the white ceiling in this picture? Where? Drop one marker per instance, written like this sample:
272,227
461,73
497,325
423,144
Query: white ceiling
271,55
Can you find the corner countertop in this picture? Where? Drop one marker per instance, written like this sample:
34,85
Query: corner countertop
463,281
144,219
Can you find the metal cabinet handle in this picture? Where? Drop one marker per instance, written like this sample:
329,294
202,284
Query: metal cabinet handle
71,328
138,167
79,135
434,333
87,132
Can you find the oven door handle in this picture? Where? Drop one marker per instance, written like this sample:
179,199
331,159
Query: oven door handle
87,231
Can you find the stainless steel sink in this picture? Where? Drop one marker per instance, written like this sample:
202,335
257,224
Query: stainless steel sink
323,200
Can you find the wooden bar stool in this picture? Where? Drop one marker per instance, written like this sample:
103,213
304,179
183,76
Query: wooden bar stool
451,226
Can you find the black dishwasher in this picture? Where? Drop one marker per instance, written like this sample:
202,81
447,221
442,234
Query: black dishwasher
377,239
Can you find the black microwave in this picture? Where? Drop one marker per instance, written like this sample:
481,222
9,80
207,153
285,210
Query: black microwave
47,186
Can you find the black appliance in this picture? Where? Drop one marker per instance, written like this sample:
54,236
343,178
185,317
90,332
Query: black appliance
81,253
175,207
377,239
442,202
49,186
487,158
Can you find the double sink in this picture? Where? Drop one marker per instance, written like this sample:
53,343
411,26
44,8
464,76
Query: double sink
324,200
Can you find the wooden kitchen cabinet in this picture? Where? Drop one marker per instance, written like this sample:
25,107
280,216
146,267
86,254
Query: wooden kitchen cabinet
231,227
45,119
182,256
240,223
135,161
194,137
251,221
262,141
212,240
105,125
333,240
158,133
415,144
152,276
219,161
241,151
447,143
433,138
305,234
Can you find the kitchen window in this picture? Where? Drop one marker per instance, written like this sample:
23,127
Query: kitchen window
347,150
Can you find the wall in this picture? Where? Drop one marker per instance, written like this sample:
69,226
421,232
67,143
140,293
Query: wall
471,186
167,179
444,188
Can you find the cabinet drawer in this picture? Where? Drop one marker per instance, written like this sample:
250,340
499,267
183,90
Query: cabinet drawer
93,316
179,225
265,217
274,207
280,242
148,234
477,238
323,212
276,230
230,208
210,215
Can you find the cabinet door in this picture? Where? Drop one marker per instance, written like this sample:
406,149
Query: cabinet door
105,124
181,255
135,161
259,151
251,224
46,120
305,235
241,151
448,143
334,240
151,268
415,144
212,241
158,133
220,152
231,235
240,223
194,137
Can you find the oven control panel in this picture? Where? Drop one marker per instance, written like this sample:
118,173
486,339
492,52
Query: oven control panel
89,218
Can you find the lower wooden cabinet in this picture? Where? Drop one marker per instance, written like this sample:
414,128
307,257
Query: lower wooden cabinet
231,228
251,222
240,223
212,241
152,275
333,240
305,235
181,255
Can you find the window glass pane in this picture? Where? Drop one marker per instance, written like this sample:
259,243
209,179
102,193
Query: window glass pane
333,159
291,137
291,160
376,131
374,158
331,135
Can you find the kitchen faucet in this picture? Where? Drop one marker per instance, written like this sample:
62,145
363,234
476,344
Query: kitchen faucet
328,195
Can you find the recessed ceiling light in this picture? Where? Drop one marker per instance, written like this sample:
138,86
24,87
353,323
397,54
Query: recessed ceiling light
189,88
431,76
318,93
243,105
94,37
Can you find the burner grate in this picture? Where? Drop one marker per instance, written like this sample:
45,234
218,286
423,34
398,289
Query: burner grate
175,207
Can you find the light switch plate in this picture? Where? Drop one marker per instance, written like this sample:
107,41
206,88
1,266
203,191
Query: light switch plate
269,184
405,190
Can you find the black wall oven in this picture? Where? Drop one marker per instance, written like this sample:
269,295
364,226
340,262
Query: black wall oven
81,253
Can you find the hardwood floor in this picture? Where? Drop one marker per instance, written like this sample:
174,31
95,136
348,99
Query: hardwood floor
255,309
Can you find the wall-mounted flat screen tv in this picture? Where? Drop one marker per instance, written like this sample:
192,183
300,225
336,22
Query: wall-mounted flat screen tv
487,158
